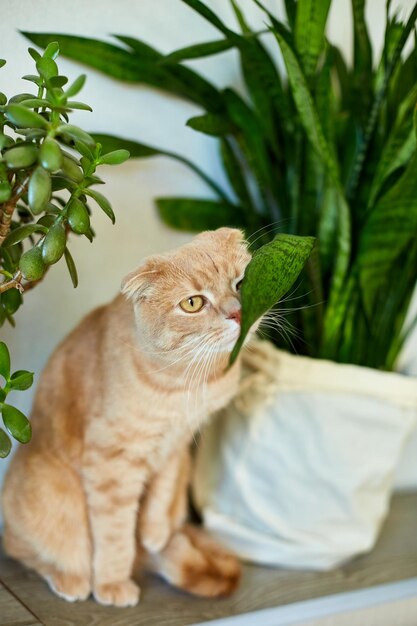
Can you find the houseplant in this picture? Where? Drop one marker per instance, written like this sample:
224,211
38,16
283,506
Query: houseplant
47,171
329,151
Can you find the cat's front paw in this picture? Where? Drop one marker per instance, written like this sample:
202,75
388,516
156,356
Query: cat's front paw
122,594
155,537
70,587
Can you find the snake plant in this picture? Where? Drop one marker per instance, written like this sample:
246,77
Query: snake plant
324,149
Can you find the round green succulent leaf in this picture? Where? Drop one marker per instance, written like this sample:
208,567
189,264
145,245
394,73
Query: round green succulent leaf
50,155
4,361
31,264
16,423
21,156
51,50
23,117
53,246
5,141
39,190
115,158
5,444
71,169
47,68
21,380
78,217
11,300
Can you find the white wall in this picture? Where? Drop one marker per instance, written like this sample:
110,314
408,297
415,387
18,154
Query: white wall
53,308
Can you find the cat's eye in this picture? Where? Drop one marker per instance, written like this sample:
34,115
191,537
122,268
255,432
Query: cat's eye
239,284
192,304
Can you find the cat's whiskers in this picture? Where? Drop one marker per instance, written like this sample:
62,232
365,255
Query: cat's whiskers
207,367
201,371
195,362
210,364
283,326
265,230
190,375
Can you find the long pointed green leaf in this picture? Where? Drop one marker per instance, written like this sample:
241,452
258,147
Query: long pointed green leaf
390,228
108,58
141,65
140,150
291,11
250,136
270,274
399,146
198,51
235,173
276,23
211,124
379,98
209,15
144,50
305,105
342,74
311,123
189,84
261,77
310,25
362,60
195,214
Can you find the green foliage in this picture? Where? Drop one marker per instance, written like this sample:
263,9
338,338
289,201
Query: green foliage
47,171
327,151
271,273
16,423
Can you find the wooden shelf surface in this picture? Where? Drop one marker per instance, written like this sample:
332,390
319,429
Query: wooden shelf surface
25,599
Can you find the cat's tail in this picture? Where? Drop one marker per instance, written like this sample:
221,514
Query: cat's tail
194,562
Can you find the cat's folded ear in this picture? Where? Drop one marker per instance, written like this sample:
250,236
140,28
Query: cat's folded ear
228,235
139,283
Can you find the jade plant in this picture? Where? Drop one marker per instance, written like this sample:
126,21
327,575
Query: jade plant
47,174
325,149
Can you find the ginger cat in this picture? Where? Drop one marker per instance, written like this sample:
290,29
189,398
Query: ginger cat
104,479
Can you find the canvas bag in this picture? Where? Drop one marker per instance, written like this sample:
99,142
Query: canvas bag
298,470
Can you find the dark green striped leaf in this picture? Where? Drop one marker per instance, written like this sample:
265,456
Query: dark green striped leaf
362,60
271,273
209,15
311,123
310,24
234,171
139,65
390,228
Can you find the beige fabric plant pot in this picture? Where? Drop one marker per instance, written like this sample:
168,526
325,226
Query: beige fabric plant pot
298,470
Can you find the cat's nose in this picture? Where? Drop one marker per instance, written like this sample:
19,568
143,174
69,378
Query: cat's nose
234,315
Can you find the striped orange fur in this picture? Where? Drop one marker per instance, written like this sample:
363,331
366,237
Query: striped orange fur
104,480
